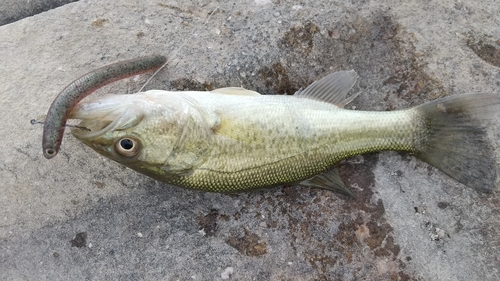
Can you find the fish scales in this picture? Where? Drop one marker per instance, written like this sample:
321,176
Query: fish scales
274,140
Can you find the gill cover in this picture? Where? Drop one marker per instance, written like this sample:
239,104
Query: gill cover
155,130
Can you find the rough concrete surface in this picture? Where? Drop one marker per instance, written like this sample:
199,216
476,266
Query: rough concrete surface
80,216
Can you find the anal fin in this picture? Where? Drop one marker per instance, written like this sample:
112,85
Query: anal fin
329,180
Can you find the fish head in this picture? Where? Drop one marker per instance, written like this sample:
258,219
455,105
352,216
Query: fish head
147,132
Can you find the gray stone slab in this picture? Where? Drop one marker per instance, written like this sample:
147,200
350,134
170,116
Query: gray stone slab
81,216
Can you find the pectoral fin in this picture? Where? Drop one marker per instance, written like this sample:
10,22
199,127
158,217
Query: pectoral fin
329,180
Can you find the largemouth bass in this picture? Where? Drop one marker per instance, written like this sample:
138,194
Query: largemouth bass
233,139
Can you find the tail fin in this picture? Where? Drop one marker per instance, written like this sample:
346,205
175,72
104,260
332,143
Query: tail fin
456,140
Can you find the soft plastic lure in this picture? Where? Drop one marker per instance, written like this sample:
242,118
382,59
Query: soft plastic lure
64,103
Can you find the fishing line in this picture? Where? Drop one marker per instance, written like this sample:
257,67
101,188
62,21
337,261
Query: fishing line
35,122
178,49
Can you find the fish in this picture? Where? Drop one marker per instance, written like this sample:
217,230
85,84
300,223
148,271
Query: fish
232,139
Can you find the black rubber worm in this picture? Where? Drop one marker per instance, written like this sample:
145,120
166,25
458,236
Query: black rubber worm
53,128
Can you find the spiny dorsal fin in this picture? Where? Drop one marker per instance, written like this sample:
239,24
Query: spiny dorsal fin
329,180
235,91
332,88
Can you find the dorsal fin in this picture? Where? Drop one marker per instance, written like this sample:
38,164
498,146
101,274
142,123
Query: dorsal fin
332,88
235,91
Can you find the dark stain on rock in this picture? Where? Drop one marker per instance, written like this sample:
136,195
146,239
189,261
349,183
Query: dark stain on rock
408,79
99,22
485,47
413,84
376,46
458,226
209,222
403,277
191,85
321,262
225,217
276,78
443,205
250,244
80,240
177,9
377,234
391,246
186,12
301,37
363,237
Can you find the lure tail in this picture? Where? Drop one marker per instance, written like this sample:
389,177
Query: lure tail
456,141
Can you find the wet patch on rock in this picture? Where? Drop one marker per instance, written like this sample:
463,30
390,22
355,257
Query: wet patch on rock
301,37
376,47
80,240
486,47
99,23
208,223
188,84
250,244
276,78
405,81
383,53
411,83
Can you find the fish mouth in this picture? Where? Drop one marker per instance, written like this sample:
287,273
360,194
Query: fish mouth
102,116
89,129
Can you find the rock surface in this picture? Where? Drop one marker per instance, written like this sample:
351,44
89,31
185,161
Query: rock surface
82,217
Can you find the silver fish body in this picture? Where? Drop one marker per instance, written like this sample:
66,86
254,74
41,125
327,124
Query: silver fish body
232,139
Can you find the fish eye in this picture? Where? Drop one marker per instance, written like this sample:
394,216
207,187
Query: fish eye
127,147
